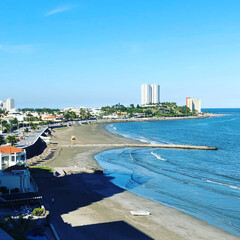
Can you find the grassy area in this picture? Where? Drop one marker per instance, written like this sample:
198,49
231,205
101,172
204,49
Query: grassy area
36,169
62,128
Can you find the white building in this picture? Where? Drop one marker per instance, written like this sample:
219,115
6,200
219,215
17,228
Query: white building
155,93
18,116
150,94
193,104
16,177
14,173
96,112
10,104
10,156
1,104
146,94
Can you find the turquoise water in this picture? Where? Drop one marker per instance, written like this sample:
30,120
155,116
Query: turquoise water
205,184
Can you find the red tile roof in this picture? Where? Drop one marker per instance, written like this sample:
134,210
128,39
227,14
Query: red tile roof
10,149
15,167
49,117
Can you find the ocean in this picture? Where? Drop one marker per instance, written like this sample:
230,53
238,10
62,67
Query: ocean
205,184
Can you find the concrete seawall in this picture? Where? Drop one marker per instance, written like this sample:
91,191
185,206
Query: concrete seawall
36,148
191,147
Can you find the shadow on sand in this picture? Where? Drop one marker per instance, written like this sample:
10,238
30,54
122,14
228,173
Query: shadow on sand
74,191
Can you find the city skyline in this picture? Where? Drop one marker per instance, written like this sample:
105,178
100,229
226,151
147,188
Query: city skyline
66,53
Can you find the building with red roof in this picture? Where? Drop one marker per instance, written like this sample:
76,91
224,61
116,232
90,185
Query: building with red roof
10,156
14,173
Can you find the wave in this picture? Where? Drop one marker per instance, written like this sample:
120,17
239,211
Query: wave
158,156
223,184
140,138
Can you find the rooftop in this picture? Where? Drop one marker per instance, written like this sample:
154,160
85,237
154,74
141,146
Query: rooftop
10,149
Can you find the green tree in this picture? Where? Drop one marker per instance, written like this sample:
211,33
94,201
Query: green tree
14,121
11,139
26,130
67,116
88,115
72,115
7,127
2,140
34,127
148,113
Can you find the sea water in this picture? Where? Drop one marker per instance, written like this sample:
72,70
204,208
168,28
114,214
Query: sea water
205,184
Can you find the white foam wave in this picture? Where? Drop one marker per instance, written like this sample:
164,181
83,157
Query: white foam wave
143,139
223,184
158,156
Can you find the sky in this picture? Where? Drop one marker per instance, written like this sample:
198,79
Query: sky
98,52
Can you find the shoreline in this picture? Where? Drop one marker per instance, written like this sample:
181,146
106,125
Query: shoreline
79,163
156,119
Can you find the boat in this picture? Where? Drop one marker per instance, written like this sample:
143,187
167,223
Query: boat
140,213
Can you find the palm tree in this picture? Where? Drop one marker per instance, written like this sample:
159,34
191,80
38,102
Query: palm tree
7,127
12,139
2,140
34,127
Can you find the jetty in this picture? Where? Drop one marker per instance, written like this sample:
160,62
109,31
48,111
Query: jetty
174,146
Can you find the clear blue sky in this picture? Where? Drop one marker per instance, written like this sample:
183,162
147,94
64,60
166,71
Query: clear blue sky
98,52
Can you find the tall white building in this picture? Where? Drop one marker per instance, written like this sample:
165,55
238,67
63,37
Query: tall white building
146,96
193,104
150,94
155,93
10,104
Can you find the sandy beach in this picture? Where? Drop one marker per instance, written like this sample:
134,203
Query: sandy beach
88,206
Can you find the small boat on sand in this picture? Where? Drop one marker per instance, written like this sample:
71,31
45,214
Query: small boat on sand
140,213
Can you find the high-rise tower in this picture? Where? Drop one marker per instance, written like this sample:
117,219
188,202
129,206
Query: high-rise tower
146,94
10,104
155,93
193,104
150,94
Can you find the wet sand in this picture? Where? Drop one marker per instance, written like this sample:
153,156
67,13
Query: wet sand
88,206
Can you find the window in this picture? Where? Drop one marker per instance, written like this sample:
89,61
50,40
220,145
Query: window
5,158
13,159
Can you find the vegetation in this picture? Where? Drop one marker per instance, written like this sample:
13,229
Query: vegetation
34,127
19,229
2,111
12,139
38,211
5,126
40,110
83,114
36,169
26,130
166,109
2,140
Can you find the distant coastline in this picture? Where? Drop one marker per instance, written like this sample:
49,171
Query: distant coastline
207,115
